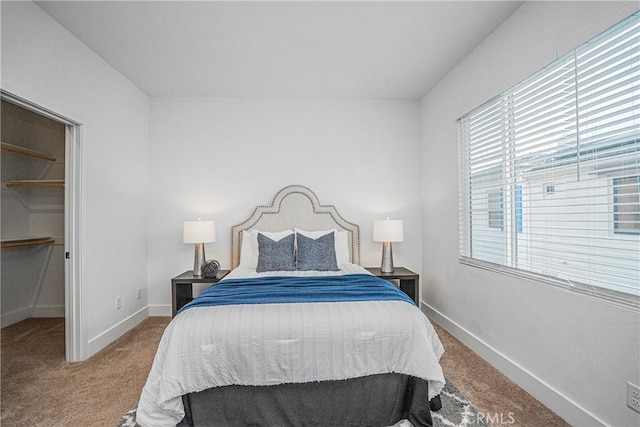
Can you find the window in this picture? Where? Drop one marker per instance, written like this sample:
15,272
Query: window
495,214
626,205
549,189
538,164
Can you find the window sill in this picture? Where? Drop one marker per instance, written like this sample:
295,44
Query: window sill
610,296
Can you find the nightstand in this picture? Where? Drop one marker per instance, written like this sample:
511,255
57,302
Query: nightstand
182,289
409,281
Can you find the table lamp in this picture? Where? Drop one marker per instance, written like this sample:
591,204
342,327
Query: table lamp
199,232
387,231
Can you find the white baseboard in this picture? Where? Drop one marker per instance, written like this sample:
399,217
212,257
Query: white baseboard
107,337
48,311
573,413
160,310
24,313
15,316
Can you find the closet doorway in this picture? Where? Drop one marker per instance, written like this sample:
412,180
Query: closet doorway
40,227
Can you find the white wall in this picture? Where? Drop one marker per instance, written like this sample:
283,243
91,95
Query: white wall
572,352
45,64
217,158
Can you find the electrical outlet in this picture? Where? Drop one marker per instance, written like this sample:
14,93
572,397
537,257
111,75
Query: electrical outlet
139,293
633,397
118,303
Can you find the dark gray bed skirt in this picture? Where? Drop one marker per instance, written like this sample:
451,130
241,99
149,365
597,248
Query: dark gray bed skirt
376,400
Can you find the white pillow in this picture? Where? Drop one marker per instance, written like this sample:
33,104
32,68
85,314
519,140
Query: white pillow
249,248
341,239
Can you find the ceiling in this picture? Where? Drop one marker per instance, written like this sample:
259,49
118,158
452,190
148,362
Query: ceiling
362,49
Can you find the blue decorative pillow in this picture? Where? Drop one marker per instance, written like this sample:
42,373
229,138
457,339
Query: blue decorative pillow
276,256
317,254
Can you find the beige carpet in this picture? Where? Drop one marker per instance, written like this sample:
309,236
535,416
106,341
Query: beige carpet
490,391
38,388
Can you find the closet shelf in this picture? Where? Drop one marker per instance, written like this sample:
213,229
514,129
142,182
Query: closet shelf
35,183
26,151
28,241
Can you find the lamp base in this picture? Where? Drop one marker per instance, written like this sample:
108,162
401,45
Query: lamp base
387,258
198,260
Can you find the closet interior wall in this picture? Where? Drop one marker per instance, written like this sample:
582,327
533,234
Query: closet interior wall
32,207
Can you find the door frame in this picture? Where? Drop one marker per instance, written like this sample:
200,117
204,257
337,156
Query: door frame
75,324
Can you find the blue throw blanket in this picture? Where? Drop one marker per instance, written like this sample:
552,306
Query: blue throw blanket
286,289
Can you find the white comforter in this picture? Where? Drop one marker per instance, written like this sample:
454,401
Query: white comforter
271,344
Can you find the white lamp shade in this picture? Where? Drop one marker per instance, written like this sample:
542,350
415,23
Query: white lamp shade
199,232
388,230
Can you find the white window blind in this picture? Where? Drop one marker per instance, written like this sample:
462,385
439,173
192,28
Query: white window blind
549,172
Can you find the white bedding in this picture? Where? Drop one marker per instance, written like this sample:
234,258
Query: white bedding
271,344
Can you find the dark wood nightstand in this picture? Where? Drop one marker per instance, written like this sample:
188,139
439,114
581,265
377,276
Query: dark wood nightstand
182,287
409,281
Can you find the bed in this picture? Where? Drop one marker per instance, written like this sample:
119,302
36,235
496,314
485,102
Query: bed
315,340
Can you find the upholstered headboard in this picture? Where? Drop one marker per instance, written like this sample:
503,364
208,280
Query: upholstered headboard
295,206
